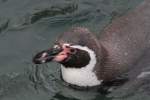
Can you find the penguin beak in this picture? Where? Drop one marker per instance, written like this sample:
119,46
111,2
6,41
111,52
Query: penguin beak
46,55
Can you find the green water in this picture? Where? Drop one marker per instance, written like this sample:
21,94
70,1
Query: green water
29,26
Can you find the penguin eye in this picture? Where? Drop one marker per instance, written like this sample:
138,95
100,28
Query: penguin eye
67,46
73,51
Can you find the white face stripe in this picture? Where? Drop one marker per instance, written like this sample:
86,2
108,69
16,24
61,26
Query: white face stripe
82,76
66,44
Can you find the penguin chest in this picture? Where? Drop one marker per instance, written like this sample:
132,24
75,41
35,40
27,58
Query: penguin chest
80,77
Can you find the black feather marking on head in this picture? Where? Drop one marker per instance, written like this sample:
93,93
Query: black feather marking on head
78,60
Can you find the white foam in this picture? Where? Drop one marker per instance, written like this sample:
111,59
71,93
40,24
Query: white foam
82,76
143,74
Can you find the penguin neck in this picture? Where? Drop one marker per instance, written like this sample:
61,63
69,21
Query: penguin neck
101,68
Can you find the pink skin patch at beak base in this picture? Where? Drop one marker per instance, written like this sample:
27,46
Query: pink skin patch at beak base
62,55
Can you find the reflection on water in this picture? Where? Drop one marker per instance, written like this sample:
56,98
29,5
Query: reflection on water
29,26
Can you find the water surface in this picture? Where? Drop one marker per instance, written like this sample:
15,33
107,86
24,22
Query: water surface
29,26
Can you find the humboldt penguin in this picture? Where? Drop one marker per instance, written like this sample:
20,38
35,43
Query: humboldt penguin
89,61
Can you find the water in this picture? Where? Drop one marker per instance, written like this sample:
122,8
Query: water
29,26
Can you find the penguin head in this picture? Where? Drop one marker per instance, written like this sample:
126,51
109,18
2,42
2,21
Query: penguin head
71,49
63,53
